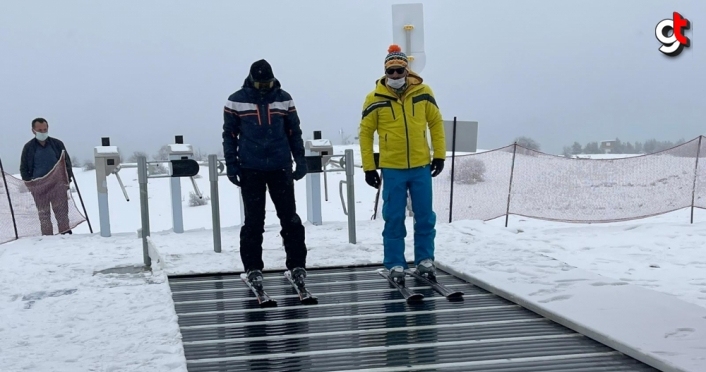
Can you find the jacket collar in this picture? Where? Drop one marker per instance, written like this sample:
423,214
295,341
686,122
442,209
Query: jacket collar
48,142
249,84
414,83
254,93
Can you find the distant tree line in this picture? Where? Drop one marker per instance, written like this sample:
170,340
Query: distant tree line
620,147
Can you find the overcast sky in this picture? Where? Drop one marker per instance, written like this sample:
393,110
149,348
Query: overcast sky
143,71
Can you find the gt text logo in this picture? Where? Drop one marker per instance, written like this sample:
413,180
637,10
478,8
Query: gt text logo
670,32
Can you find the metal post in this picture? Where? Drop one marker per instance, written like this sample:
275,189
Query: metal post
696,169
350,186
453,158
313,195
177,213
9,201
215,211
103,206
106,158
509,192
144,207
325,182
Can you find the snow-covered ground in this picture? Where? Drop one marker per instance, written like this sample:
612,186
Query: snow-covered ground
637,283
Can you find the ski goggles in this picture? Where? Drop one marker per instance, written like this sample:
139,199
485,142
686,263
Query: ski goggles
264,84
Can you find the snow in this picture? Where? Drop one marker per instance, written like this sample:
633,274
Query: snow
638,286
106,150
320,143
180,148
619,299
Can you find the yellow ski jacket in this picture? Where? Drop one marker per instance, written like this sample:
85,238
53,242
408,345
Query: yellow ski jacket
401,123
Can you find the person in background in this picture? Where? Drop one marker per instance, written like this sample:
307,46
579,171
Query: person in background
401,109
39,156
261,135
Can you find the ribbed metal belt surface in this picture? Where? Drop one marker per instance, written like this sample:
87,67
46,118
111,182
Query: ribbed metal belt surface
362,323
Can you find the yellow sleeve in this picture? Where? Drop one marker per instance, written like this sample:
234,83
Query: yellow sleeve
366,133
436,127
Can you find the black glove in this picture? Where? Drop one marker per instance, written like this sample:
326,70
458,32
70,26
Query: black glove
437,165
233,173
372,178
300,170
235,180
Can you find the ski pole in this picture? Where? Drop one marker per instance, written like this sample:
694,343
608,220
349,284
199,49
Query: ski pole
377,199
9,201
83,205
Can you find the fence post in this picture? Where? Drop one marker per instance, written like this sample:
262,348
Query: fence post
453,158
696,170
350,188
9,201
144,207
215,202
509,191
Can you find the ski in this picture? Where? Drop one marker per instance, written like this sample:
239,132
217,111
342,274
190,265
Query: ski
262,297
408,294
435,285
305,296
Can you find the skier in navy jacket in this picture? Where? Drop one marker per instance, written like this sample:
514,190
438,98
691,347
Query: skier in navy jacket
261,135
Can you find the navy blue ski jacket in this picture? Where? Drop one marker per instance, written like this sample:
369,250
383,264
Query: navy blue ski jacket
27,157
261,132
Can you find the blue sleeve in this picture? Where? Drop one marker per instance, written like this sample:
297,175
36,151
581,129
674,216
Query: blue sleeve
24,167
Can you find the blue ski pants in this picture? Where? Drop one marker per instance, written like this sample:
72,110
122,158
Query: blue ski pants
395,186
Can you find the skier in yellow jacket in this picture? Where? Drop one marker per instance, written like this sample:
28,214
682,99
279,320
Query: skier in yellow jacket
401,109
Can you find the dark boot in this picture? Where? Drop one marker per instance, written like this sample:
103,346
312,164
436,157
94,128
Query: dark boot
255,278
298,276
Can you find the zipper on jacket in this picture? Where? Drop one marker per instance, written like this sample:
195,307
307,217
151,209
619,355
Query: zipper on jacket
393,112
406,132
265,110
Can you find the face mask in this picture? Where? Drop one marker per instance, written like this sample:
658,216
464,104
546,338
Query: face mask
41,136
396,83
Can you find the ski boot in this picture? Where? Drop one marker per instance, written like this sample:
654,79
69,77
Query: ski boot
397,274
255,278
426,268
298,276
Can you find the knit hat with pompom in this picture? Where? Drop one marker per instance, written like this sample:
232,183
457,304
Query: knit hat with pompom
395,57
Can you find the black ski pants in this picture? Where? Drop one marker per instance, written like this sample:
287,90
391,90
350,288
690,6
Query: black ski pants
254,185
